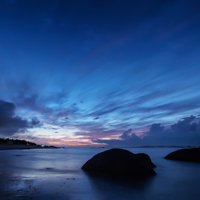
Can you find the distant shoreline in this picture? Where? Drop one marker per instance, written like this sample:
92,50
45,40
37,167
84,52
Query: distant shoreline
21,146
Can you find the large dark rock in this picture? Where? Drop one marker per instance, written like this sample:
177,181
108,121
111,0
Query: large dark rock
120,163
147,158
185,155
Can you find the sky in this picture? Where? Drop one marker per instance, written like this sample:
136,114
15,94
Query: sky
118,73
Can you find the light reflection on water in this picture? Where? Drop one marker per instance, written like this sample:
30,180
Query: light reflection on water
56,174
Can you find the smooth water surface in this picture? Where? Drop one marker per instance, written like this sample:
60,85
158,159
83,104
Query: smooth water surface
56,174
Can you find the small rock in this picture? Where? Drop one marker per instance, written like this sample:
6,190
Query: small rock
192,155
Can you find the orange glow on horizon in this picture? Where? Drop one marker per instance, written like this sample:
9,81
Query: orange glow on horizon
76,143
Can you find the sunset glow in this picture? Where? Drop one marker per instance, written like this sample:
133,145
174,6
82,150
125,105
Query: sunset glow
96,73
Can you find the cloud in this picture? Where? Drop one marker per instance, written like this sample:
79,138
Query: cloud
106,110
126,135
186,127
11,123
128,141
34,123
185,132
155,129
94,131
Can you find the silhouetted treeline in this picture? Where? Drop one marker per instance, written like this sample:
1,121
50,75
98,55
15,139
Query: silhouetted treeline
24,142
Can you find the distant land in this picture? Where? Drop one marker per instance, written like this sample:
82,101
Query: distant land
160,146
9,144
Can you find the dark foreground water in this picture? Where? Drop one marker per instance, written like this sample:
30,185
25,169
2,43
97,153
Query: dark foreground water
56,174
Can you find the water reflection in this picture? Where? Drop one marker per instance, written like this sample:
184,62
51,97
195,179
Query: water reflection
107,187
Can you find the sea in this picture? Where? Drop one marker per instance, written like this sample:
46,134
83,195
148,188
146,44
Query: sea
54,174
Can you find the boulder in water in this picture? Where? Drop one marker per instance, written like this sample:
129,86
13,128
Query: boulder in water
147,158
120,163
185,155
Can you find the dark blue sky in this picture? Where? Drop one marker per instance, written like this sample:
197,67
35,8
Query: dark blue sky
92,72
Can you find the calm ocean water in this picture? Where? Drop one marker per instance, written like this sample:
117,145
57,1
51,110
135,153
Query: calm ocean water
56,174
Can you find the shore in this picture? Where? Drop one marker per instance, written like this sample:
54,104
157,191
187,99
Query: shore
20,146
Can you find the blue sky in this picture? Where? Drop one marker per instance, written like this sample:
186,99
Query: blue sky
86,72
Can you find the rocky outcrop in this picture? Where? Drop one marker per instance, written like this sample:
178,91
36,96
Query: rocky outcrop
119,163
185,155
